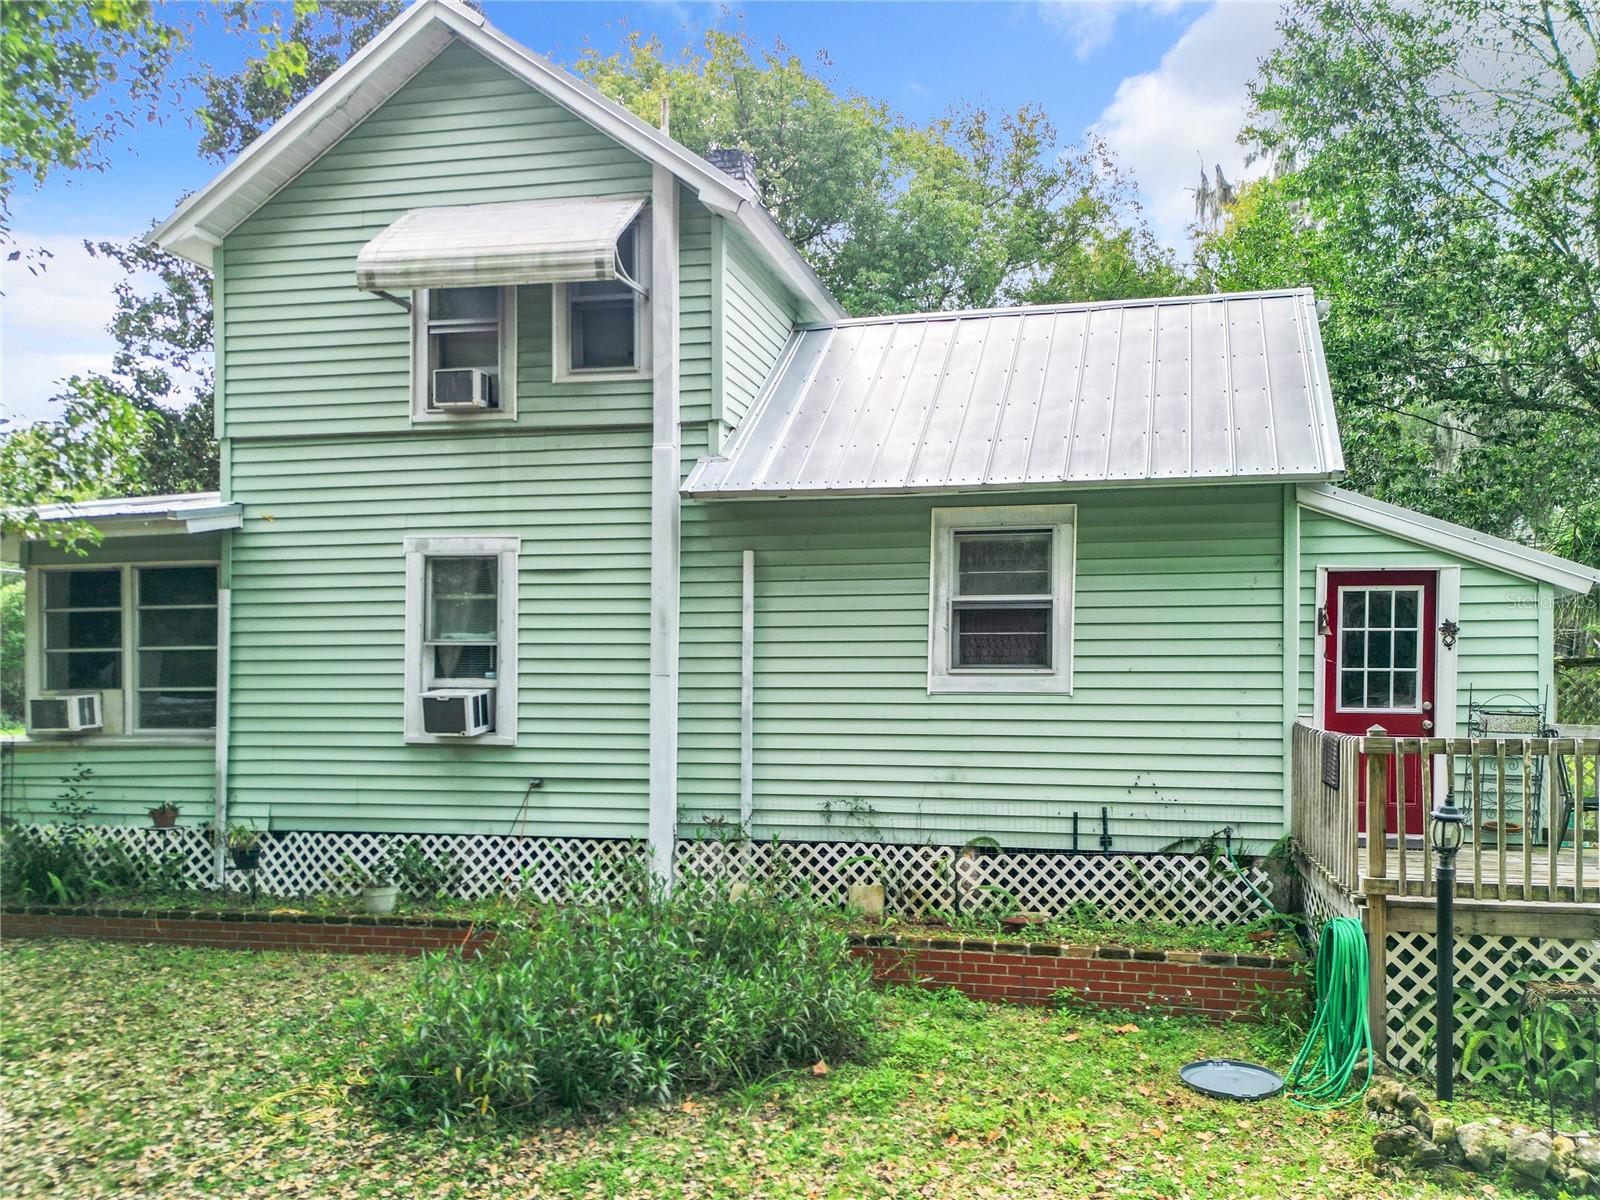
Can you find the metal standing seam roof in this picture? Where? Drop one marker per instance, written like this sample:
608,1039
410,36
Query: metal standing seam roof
1167,390
524,241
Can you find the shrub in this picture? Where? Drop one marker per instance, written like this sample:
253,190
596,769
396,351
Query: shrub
65,864
585,1008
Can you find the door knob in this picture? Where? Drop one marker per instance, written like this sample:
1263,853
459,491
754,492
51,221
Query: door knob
1427,726
1427,706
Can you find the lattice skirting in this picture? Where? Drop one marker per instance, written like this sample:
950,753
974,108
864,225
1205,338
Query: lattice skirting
1323,898
1175,888
1186,889
1493,968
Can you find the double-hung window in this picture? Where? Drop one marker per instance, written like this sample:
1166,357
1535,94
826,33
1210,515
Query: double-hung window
143,637
461,628
464,352
602,329
1001,607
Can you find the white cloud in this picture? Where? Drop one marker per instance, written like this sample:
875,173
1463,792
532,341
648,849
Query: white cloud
1088,24
53,323
1163,124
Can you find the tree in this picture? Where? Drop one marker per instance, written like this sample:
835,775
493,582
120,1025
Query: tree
56,57
1439,192
973,210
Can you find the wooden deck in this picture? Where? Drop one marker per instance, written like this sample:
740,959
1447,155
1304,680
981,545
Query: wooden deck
1484,872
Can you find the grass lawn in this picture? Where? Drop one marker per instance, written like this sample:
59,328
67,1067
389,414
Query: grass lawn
153,1071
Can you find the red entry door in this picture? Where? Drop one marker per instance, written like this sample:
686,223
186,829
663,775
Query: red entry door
1378,666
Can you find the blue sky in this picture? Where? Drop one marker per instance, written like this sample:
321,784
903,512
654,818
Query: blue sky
1162,80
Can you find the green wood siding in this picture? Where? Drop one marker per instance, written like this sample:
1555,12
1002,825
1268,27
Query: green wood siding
758,315
305,352
1176,723
319,624
1500,648
130,778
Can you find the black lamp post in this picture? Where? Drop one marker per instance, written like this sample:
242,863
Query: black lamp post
1448,828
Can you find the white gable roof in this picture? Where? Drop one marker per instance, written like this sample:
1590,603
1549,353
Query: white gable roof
1501,553
383,66
1187,389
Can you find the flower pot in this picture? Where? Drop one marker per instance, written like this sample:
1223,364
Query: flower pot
866,899
164,818
246,860
379,900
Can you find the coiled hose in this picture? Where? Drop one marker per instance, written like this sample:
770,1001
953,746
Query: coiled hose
1340,1036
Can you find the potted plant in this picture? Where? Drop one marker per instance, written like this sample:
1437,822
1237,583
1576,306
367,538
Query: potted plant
164,815
244,845
376,884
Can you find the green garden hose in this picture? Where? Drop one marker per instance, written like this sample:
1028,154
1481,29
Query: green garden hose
1339,1037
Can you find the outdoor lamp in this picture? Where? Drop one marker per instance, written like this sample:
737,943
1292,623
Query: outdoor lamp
1448,826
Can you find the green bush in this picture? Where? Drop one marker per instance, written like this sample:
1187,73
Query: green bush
586,1008
65,864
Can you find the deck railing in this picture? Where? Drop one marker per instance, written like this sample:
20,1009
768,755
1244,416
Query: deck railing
1523,843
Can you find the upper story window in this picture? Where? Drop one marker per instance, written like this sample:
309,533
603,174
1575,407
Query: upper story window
461,640
143,637
1001,608
464,352
602,329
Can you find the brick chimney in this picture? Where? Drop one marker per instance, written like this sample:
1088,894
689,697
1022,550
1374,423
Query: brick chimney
740,164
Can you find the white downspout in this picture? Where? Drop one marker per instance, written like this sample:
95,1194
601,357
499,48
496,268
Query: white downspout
747,693
665,518
220,804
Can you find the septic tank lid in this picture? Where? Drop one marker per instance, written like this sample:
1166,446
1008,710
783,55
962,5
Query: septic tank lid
1230,1079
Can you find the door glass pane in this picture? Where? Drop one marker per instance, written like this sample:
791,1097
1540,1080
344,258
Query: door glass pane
1352,689
1012,564
1405,689
1405,610
1378,644
83,589
1002,637
1380,608
1353,608
1377,689
177,585
1354,651
1405,648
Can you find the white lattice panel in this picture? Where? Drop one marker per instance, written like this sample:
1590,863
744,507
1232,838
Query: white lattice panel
1493,968
181,854
480,865
1176,888
1324,899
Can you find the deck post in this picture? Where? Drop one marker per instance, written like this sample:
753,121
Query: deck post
1377,925
1377,798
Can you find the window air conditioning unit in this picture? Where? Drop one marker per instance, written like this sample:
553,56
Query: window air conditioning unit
65,714
462,388
457,712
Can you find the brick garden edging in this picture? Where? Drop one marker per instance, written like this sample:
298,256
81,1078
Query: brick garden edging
1197,982
1218,986
339,934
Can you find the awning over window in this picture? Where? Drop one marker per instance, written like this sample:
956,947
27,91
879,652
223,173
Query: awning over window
525,241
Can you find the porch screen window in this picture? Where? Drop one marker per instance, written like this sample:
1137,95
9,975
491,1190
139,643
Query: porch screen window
83,630
1380,648
461,628
177,660
1002,599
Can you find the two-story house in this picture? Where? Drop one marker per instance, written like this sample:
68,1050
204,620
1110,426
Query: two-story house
562,508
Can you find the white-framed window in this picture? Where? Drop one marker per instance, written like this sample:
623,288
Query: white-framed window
1380,648
1000,616
144,636
601,330
461,629
463,353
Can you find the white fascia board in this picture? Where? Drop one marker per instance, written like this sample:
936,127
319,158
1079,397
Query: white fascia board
1500,553
382,67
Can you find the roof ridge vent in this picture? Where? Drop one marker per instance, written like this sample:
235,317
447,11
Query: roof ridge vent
736,162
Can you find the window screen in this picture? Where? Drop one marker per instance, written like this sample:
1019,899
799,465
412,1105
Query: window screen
83,630
461,637
1002,603
464,331
177,642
